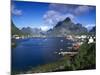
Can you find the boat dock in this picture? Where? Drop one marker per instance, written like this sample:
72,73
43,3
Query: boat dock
68,53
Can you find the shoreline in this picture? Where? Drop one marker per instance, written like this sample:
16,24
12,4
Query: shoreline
52,67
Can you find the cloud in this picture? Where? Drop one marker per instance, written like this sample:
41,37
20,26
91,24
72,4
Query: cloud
45,28
73,9
15,11
51,17
58,12
90,26
62,8
82,9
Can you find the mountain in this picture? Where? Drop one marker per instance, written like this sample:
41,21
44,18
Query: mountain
15,30
27,30
61,29
35,32
93,30
66,27
32,31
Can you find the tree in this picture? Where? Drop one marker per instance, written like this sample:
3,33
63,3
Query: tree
86,59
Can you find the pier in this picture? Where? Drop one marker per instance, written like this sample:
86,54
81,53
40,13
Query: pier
68,53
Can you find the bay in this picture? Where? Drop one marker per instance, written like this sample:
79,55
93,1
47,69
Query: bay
32,52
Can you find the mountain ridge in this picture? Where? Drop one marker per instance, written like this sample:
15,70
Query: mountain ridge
67,27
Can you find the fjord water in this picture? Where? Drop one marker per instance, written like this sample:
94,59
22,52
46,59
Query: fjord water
33,52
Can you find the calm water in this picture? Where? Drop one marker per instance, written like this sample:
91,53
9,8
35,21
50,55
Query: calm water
37,51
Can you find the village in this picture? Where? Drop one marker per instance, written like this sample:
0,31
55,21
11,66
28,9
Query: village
78,41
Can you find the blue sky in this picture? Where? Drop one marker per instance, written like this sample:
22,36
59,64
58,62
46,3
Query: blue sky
46,15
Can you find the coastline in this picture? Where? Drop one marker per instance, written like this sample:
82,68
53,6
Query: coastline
64,64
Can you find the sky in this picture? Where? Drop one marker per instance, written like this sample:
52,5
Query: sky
46,15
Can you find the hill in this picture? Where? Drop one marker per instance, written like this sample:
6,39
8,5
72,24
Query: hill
15,30
67,27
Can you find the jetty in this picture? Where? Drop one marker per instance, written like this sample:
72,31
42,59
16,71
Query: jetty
68,53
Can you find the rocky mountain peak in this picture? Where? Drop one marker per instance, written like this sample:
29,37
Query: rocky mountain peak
67,19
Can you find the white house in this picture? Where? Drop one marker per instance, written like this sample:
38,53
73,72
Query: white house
91,40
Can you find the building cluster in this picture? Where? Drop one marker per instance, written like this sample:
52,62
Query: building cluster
81,38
